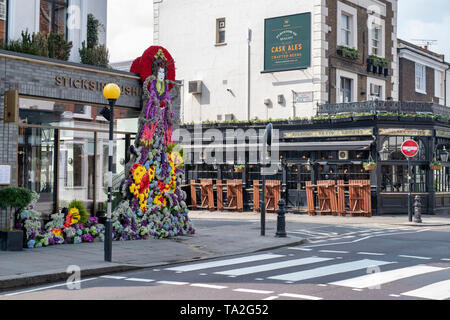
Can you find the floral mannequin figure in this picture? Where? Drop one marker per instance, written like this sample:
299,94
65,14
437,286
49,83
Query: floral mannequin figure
154,203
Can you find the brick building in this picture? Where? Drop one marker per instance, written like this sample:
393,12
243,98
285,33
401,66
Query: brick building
423,74
240,66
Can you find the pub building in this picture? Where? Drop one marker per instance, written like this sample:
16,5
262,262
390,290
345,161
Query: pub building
53,135
335,147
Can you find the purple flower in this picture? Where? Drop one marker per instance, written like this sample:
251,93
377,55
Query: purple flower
87,238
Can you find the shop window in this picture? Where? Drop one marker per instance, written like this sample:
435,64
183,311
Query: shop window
3,20
345,172
421,78
53,16
297,175
395,178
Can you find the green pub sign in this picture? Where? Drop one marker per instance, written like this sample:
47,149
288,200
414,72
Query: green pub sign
287,43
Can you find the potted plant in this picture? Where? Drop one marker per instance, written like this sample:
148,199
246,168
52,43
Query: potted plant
435,165
349,53
363,116
341,118
239,168
321,119
13,199
369,166
408,116
387,116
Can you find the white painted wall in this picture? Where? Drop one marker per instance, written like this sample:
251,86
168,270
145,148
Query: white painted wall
188,31
24,15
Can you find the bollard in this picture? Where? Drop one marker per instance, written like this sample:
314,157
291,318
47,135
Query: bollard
281,220
417,210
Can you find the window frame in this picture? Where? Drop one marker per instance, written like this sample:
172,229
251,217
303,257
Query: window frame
352,13
420,89
220,29
344,89
380,25
53,11
346,29
6,21
376,82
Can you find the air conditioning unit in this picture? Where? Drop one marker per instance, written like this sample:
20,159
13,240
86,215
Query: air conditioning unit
229,117
195,87
343,155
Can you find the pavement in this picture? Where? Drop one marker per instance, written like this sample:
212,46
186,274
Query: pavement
236,233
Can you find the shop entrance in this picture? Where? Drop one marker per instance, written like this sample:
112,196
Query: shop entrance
63,152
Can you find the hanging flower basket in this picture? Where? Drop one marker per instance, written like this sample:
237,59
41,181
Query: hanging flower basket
371,166
435,166
239,168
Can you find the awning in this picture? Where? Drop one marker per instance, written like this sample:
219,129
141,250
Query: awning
287,146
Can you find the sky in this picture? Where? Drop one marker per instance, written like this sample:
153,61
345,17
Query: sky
426,19
130,29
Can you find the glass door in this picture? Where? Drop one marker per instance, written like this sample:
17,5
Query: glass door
76,168
36,165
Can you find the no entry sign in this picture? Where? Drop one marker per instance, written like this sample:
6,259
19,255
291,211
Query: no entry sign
410,148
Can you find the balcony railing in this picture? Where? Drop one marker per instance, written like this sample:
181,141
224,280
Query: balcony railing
384,106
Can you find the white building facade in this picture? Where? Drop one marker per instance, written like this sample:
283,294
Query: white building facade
62,16
222,46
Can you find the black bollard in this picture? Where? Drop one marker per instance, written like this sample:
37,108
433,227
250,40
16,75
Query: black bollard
281,220
417,210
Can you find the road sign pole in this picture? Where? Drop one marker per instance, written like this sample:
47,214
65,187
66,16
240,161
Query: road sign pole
410,149
410,191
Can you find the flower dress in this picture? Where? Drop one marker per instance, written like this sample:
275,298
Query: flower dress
154,204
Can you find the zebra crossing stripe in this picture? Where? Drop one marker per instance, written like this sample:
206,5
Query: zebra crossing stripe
299,296
208,286
139,280
223,263
272,266
253,291
436,291
379,278
329,270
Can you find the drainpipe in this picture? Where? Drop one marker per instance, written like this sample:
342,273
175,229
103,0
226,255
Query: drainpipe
249,73
445,86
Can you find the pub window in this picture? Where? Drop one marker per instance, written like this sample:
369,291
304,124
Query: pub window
346,89
421,78
53,16
442,180
395,178
394,144
220,31
3,20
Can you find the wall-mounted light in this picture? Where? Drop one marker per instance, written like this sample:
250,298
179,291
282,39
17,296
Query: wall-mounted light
70,161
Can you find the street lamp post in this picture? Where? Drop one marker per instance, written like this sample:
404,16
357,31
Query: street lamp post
266,155
111,92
